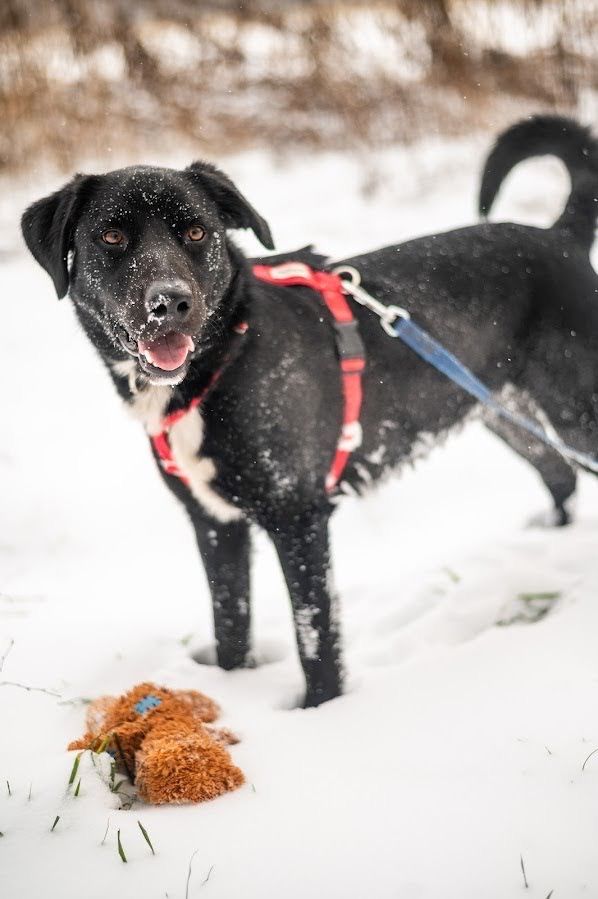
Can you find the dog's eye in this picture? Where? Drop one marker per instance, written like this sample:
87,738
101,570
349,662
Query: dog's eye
195,233
113,237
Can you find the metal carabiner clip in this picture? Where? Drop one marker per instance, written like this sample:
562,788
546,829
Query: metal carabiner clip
352,285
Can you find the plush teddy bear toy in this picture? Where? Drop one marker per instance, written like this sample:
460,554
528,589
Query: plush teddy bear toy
162,739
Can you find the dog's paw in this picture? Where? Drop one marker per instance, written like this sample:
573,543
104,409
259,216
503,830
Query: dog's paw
210,654
266,652
557,517
317,697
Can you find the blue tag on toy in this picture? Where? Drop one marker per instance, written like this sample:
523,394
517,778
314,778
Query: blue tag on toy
147,704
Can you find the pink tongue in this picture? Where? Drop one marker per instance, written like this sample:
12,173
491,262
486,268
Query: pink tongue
168,352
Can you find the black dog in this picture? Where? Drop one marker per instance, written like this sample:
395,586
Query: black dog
159,288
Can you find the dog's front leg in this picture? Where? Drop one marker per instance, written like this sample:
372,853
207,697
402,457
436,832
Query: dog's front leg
303,549
225,550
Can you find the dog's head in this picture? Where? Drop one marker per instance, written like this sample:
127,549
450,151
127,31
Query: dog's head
144,255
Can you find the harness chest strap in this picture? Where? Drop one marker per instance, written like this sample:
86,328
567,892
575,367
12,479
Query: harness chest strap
349,346
351,356
161,441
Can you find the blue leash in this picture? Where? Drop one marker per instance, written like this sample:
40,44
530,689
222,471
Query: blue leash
397,323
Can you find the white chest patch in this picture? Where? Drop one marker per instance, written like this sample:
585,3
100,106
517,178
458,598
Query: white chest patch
185,437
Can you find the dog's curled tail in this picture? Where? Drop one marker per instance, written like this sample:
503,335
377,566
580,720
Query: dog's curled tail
557,136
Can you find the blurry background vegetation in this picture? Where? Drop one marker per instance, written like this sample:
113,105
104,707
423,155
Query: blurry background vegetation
89,78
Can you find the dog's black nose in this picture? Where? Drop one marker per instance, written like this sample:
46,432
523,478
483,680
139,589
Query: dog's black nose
168,301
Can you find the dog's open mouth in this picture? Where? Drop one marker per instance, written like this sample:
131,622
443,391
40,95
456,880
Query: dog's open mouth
168,352
165,355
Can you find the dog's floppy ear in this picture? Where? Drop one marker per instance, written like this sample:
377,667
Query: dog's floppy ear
47,227
235,210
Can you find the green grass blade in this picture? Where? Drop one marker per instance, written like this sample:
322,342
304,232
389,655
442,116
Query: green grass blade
546,595
146,836
103,745
455,578
121,851
75,768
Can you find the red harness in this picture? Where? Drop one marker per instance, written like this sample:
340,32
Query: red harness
351,356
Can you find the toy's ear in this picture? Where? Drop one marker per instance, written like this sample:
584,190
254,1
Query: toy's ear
202,707
235,210
48,226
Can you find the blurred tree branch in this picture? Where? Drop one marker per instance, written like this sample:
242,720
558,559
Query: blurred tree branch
97,76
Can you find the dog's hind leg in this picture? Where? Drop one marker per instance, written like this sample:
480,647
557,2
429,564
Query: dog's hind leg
303,549
556,473
225,550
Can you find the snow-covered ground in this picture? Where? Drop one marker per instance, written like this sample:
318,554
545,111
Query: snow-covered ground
458,748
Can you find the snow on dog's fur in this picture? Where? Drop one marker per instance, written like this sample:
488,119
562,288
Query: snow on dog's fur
158,287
